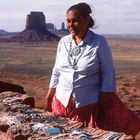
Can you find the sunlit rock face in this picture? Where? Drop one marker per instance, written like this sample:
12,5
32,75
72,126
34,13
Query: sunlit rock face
35,29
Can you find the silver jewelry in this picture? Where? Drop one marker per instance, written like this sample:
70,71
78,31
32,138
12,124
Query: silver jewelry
76,51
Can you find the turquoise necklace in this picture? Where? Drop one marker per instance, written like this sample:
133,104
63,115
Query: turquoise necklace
75,51
74,54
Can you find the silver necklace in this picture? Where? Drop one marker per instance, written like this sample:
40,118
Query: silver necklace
75,51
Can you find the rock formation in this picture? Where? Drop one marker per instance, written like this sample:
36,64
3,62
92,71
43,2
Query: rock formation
4,86
19,120
35,29
35,21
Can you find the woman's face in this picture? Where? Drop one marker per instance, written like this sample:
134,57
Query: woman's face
77,25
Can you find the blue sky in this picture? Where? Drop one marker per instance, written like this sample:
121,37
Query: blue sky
111,16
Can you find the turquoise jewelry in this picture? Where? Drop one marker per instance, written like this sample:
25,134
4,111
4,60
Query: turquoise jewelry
74,54
76,51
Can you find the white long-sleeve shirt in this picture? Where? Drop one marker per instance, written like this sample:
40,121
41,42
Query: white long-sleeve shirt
86,75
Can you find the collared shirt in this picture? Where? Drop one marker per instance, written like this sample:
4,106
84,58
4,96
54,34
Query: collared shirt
86,75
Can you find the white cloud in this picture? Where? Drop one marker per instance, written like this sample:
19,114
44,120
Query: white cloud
121,14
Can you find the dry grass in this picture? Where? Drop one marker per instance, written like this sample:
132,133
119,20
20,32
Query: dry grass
19,58
126,56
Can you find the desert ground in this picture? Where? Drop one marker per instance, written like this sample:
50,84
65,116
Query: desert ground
30,64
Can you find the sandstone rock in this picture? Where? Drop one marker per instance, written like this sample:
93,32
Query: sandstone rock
35,29
20,137
5,86
36,21
3,127
4,136
9,97
28,100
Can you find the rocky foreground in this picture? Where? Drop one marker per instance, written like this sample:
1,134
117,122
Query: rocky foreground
19,120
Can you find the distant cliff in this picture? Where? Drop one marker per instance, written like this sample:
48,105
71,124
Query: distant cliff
3,33
35,29
6,34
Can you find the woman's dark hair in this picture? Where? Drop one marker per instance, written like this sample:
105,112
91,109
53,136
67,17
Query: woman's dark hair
84,10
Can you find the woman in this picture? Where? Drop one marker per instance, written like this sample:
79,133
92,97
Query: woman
82,85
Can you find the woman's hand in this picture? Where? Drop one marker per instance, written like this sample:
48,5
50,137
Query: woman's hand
48,99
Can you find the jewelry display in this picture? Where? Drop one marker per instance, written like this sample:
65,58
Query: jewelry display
24,121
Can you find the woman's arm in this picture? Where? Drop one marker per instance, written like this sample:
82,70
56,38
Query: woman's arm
108,86
106,68
55,72
48,99
53,82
